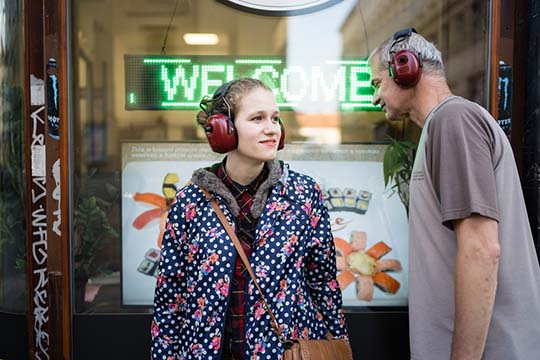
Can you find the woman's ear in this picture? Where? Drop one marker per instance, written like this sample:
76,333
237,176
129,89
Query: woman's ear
281,144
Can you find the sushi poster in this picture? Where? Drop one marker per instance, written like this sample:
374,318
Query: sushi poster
368,223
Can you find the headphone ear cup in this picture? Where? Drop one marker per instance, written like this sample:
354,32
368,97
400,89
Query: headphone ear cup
221,133
405,68
281,144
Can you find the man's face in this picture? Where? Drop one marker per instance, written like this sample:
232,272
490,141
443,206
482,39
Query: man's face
392,99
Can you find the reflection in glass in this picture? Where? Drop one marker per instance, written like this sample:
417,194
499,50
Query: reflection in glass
307,44
13,292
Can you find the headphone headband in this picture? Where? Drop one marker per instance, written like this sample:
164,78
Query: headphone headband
220,93
401,35
222,90
404,33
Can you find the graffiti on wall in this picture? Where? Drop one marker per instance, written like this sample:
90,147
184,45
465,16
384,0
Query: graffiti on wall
38,226
56,197
39,236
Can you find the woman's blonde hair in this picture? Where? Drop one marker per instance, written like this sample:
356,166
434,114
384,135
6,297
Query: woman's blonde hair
227,97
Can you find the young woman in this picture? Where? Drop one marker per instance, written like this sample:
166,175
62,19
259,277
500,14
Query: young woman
206,305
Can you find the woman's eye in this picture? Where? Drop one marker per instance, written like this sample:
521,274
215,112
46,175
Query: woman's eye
275,119
257,118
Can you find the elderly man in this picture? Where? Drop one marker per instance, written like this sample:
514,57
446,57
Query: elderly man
474,279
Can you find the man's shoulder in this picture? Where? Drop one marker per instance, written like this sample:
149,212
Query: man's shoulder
460,107
460,113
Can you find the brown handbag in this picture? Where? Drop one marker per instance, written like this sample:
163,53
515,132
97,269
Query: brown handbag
295,349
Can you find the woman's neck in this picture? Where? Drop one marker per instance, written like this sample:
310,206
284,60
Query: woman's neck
241,171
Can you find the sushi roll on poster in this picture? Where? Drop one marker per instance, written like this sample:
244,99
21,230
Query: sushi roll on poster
369,225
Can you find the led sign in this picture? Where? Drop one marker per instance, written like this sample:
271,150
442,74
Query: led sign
179,82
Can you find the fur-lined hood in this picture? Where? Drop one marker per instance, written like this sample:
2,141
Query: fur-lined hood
277,171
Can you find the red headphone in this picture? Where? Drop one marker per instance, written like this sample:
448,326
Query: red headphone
220,130
405,67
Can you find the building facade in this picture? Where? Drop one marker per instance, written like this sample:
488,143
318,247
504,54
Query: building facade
98,100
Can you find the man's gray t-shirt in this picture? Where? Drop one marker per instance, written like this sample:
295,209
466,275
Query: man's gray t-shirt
465,165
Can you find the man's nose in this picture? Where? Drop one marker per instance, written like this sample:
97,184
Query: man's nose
376,98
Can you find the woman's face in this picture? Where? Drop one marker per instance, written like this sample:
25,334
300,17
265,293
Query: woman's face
257,126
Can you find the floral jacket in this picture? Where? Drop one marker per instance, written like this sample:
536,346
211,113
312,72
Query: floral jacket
293,257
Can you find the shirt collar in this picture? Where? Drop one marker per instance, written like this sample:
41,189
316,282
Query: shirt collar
231,184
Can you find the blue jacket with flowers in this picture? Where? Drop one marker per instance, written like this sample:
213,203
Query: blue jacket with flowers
293,257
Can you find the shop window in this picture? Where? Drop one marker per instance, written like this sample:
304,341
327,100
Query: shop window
13,289
109,119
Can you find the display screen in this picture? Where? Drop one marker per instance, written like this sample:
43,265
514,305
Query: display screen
155,82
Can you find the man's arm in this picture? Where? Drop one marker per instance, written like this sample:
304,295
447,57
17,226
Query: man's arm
477,262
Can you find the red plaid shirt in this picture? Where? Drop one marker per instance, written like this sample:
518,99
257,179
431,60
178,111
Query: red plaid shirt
247,225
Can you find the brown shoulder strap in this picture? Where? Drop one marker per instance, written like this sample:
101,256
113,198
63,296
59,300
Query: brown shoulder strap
242,255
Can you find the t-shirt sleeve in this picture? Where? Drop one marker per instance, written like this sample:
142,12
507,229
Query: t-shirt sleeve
459,155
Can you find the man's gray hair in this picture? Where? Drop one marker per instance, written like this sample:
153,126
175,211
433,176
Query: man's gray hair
427,52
